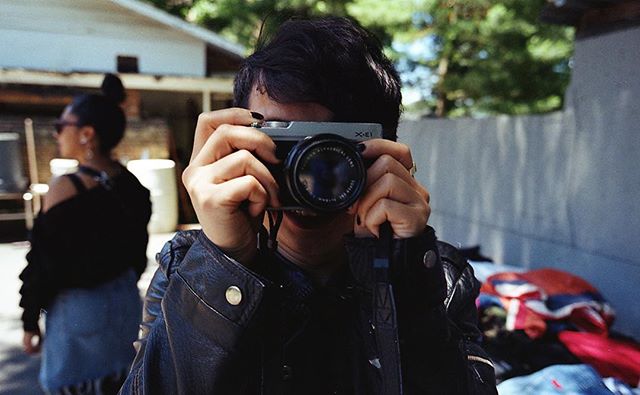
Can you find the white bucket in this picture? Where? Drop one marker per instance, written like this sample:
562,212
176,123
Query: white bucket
158,175
60,167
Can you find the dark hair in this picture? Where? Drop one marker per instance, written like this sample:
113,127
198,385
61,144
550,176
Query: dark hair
102,111
330,61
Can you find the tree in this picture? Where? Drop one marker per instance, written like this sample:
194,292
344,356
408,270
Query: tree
242,20
462,57
481,56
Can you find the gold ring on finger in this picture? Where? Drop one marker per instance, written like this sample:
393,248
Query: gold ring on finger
413,169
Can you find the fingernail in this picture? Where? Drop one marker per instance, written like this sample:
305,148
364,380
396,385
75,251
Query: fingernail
358,219
361,147
257,115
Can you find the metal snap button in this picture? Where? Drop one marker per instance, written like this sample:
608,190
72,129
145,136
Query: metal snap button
233,295
287,372
429,259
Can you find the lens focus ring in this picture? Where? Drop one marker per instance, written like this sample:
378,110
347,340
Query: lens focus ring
325,173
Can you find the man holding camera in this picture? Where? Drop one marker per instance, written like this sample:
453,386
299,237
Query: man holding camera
344,291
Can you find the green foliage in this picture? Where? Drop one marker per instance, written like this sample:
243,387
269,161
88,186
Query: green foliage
464,57
242,20
491,57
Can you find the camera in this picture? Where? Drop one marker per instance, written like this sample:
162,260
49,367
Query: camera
321,168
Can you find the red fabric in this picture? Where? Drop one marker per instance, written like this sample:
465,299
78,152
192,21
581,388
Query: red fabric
533,324
555,281
611,358
532,299
552,281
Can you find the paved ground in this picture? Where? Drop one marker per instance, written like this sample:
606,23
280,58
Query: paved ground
18,371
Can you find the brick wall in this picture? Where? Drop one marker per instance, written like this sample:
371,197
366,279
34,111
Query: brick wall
143,139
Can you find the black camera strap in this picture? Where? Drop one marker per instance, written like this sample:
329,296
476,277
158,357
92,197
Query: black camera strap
275,219
384,316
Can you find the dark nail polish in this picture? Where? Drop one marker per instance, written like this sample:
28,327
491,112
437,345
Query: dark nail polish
361,147
357,219
257,115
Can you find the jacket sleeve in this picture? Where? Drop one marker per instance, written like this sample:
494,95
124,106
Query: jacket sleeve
38,281
192,332
462,290
435,345
31,293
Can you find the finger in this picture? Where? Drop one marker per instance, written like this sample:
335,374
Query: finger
406,220
377,147
230,138
208,122
238,164
248,189
389,186
242,193
360,229
388,164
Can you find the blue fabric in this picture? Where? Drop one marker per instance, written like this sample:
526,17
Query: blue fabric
557,379
90,333
618,387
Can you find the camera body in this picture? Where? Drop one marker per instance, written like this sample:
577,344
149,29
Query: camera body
321,167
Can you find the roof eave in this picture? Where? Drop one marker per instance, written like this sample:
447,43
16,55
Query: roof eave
160,16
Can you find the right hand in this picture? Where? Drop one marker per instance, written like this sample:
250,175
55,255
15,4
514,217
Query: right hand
28,341
229,187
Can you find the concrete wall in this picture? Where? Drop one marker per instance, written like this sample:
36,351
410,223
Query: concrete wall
88,35
560,190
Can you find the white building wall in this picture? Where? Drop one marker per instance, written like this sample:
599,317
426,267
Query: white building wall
88,35
560,190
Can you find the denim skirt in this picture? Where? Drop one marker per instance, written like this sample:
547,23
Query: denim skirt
90,333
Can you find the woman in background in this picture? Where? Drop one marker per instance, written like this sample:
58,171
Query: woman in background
88,249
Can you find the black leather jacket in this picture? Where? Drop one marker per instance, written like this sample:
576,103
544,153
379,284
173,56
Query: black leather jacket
211,326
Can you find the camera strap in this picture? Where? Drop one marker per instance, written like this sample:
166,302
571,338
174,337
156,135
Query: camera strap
384,316
275,219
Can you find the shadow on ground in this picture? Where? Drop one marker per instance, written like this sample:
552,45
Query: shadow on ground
19,372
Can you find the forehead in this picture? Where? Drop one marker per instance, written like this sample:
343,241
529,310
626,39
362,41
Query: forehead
259,101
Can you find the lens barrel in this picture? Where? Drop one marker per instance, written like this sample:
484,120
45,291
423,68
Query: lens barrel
325,173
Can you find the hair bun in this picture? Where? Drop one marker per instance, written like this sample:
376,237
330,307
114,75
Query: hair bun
112,88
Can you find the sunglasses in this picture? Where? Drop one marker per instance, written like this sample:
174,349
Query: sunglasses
60,124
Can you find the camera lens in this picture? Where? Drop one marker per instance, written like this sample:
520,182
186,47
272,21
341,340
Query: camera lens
325,173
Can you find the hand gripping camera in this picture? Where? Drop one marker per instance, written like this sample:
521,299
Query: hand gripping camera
321,169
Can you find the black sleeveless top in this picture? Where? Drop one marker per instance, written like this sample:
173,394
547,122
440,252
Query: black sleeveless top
85,241
77,182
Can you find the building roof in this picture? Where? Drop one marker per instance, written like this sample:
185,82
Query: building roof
213,39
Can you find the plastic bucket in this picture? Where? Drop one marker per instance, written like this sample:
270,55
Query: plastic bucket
59,166
158,175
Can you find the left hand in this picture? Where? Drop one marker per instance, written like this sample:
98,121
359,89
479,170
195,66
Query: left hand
32,341
391,194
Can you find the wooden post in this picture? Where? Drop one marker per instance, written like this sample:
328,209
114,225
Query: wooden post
28,209
31,160
206,100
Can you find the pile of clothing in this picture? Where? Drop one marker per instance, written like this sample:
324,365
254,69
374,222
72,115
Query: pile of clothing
548,332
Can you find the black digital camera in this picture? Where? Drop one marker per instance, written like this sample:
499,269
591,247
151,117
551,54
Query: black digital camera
321,167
